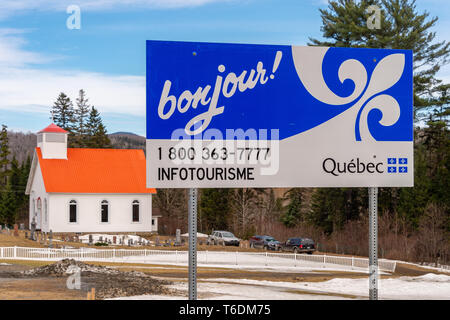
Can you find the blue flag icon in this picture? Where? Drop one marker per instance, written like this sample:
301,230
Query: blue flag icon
392,161
392,169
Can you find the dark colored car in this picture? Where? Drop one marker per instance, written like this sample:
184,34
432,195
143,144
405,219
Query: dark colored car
266,242
298,245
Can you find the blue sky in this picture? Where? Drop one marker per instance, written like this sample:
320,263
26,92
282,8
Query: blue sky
40,56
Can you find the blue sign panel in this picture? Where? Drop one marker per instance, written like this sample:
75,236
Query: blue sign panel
259,86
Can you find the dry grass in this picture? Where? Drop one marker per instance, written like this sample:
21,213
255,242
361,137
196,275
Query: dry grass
28,263
38,289
327,294
20,241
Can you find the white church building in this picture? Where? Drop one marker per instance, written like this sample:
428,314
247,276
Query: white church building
88,190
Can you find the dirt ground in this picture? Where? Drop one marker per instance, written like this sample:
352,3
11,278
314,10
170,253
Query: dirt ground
38,289
403,269
48,281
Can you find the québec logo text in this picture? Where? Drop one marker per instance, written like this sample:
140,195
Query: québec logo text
337,168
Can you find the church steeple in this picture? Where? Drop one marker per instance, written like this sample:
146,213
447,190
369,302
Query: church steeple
53,142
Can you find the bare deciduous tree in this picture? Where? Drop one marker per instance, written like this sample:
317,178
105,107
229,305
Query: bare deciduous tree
172,204
433,240
244,207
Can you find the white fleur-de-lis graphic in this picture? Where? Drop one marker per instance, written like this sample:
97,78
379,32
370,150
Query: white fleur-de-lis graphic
388,71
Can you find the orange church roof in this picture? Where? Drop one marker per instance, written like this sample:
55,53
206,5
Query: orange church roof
96,171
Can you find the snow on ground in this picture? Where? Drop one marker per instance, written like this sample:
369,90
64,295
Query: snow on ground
429,286
110,238
232,291
426,287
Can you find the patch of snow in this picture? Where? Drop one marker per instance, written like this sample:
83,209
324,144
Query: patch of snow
427,287
231,291
429,277
430,286
109,238
199,235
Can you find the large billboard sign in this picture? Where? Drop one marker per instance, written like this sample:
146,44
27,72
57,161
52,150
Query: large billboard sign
240,115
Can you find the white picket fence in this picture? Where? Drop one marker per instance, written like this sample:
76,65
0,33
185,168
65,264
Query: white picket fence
219,258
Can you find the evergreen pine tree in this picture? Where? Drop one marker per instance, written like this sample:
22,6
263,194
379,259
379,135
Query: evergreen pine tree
333,207
81,115
327,206
215,208
413,201
8,204
291,214
23,199
101,139
15,179
25,171
344,24
436,140
96,131
63,112
4,153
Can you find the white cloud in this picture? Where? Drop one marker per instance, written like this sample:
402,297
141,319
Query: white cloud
12,53
10,7
35,90
23,87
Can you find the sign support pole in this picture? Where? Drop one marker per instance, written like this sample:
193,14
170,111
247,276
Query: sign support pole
192,243
373,243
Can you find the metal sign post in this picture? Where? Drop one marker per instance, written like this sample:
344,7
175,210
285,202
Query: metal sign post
373,243
192,244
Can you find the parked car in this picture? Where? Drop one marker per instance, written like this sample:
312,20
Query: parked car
265,242
224,238
298,245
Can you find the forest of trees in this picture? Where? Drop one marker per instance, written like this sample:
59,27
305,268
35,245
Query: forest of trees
83,122
414,223
13,180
